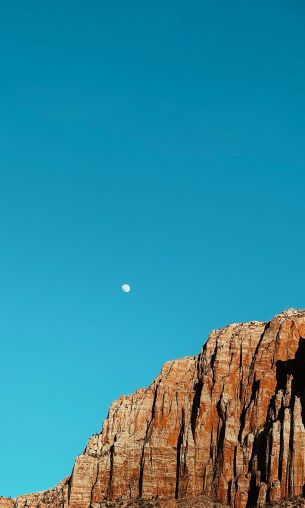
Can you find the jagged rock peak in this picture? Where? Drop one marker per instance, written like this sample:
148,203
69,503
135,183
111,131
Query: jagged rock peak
292,312
227,424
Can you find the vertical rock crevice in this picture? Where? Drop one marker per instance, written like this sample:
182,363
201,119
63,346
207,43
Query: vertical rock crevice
178,460
195,406
148,428
111,460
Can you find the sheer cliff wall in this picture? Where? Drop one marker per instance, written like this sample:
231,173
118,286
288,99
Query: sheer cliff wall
228,423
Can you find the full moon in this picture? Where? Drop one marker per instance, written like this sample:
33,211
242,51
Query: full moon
126,288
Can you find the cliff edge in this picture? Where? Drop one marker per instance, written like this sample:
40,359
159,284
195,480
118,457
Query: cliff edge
228,424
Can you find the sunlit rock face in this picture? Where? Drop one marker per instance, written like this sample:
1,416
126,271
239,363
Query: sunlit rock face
227,424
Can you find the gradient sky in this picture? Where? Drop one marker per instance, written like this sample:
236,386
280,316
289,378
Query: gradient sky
156,143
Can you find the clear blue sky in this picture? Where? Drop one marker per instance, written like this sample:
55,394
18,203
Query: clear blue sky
155,143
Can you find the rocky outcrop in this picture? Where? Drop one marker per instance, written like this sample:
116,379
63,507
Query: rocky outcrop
227,424
6,502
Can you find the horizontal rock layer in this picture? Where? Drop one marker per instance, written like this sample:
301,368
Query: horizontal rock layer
227,424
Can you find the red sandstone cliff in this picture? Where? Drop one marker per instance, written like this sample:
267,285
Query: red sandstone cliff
227,424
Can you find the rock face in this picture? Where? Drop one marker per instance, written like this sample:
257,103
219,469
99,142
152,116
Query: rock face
227,424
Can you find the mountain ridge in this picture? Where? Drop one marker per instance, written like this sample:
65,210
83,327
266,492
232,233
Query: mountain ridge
227,424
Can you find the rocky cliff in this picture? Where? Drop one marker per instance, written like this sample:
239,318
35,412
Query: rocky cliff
228,424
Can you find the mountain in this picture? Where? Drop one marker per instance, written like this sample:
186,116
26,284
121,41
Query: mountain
226,426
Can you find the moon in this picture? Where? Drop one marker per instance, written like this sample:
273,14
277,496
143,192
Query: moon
126,288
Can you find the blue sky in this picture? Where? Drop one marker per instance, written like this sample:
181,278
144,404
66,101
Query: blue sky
160,144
